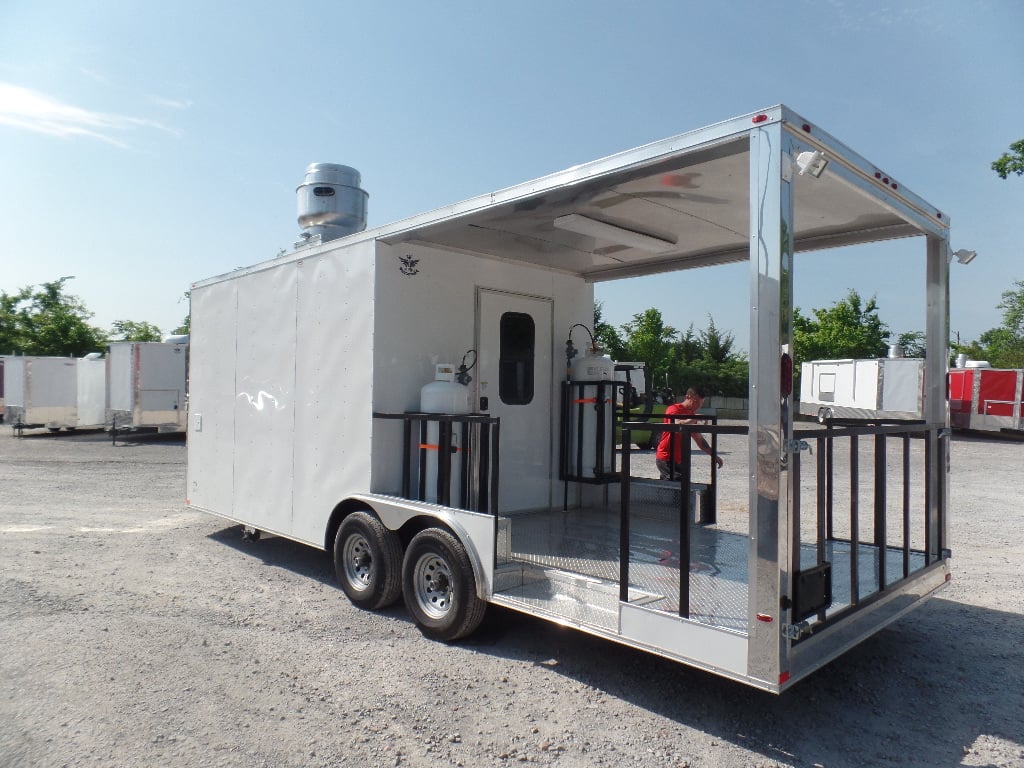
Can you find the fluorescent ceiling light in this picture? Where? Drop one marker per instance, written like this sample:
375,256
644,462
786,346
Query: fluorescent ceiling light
602,230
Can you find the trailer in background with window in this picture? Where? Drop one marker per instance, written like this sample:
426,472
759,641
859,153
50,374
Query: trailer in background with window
307,419
873,388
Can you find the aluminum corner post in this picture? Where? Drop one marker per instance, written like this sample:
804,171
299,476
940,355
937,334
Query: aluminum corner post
771,419
936,403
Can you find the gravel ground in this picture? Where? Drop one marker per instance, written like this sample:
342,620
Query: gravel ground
137,632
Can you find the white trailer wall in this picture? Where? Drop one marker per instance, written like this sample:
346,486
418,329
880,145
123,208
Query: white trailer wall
147,381
92,391
281,382
210,482
334,375
429,317
41,391
120,379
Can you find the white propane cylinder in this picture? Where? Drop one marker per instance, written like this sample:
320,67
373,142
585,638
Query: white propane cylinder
446,396
587,413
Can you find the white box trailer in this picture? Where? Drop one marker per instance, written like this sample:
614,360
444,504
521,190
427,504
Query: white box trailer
53,392
876,388
146,386
305,413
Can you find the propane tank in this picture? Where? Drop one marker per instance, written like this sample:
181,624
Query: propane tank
592,410
444,395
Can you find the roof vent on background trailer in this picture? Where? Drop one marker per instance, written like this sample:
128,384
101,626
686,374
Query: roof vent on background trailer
331,203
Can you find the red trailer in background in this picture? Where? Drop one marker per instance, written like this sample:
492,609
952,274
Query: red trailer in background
990,399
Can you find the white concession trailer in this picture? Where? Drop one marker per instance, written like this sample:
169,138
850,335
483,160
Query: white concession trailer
146,386
306,418
870,388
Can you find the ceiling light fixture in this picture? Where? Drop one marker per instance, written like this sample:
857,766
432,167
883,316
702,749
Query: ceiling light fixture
602,230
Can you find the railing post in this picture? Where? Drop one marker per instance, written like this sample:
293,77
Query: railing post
684,530
854,521
880,532
906,505
624,518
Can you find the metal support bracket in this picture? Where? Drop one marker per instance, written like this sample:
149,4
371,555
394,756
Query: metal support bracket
795,446
796,631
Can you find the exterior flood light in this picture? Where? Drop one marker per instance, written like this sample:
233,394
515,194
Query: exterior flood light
964,256
812,163
602,230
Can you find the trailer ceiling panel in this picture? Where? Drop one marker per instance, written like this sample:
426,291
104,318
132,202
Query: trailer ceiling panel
696,202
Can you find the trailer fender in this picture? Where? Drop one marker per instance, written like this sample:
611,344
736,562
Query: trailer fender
395,513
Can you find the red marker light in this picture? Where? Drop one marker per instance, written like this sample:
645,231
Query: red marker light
895,185
765,618
878,175
806,127
759,118
885,180
784,677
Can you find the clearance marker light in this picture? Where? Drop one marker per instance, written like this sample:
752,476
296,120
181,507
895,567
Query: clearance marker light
759,118
784,677
765,618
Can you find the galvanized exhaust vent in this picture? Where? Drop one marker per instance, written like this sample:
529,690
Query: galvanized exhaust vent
331,203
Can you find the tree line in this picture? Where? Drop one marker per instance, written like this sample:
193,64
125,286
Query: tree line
849,328
46,320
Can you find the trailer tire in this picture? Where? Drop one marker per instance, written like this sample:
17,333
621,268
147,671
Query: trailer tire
439,587
368,561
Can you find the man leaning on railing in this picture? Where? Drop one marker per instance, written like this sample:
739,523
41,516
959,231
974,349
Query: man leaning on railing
670,446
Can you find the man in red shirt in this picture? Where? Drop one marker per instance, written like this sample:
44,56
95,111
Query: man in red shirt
670,446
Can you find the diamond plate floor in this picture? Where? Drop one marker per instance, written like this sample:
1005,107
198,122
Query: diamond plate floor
569,563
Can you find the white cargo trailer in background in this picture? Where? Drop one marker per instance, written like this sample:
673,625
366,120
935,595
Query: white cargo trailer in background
53,392
875,388
146,386
308,418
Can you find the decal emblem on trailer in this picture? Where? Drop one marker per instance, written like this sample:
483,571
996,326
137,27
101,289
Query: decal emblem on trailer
409,265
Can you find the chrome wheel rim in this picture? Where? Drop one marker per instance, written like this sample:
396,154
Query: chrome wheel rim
433,586
358,562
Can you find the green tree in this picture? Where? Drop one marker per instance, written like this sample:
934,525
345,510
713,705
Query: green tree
649,340
1003,347
46,320
913,343
606,335
706,360
849,328
1011,162
128,330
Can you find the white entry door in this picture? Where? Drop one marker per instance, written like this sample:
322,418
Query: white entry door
514,384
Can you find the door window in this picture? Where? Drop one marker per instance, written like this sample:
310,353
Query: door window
515,362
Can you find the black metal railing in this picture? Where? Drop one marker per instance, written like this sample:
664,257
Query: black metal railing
591,417
907,552
685,479
450,459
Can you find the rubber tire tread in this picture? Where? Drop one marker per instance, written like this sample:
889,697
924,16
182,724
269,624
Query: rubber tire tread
385,549
468,608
